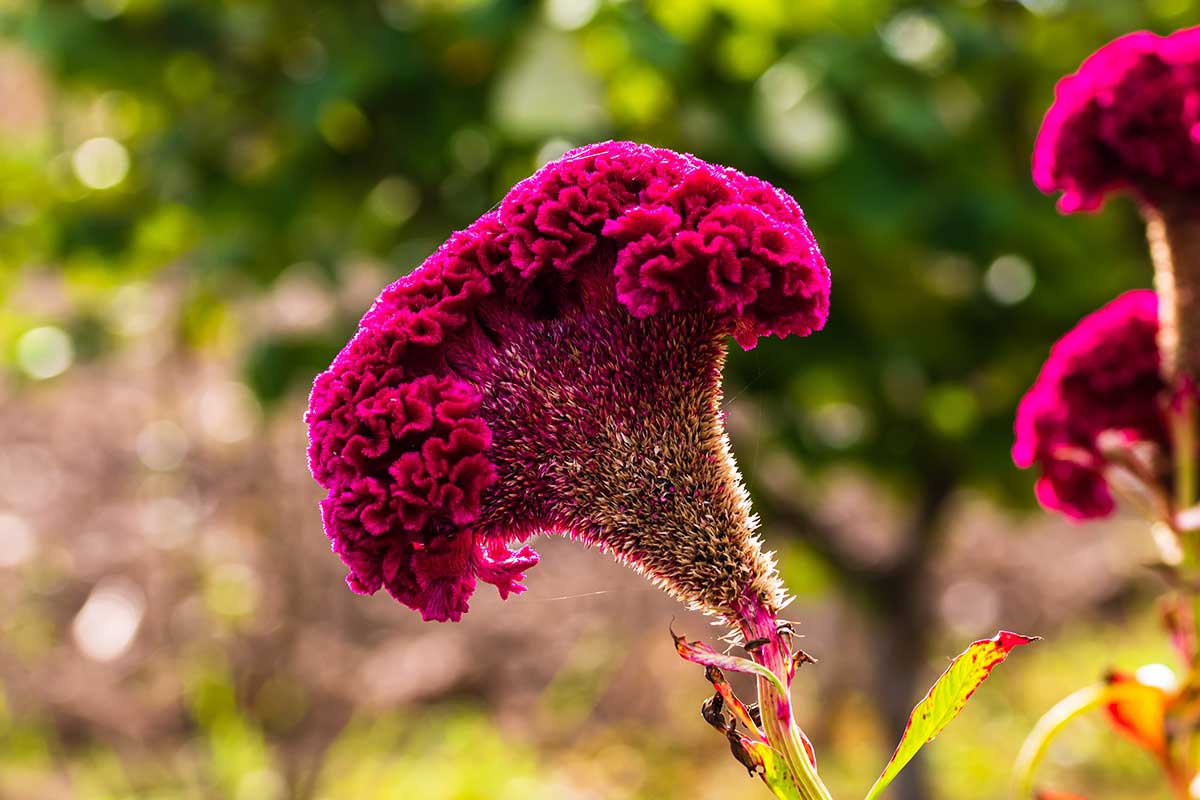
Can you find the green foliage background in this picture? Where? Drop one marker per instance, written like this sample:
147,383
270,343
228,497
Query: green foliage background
263,134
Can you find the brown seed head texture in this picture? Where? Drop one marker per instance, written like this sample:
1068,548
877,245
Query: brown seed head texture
609,428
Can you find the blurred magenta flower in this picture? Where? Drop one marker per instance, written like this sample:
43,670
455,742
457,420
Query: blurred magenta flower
556,368
1114,409
1099,393
1129,118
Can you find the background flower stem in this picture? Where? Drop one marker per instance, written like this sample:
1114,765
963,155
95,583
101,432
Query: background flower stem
1174,236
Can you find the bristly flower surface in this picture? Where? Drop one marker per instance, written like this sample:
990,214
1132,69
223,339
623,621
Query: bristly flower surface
556,368
1129,118
1101,378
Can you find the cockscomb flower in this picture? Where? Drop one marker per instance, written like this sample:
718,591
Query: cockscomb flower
1129,118
1114,408
556,368
1099,394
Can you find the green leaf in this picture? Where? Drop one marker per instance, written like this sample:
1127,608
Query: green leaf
946,698
775,773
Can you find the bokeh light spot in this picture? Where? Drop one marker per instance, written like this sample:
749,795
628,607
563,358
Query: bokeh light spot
167,522
1157,675
136,309
105,627
162,445
399,14
343,125
394,200
189,77
951,276
953,410
570,15
745,54
639,95
232,591
797,124
472,149
1009,280
546,90
839,425
45,352
1044,8
916,38
261,784
300,298
17,541
305,59
552,149
105,9
969,607
228,412
100,163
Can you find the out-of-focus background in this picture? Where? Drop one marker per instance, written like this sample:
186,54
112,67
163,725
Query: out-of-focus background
198,200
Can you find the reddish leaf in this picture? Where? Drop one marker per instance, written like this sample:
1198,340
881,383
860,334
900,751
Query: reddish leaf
1139,714
730,700
701,653
1051,794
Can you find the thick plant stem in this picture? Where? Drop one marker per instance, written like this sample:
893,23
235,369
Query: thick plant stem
1182,422
1174,236
1173,232
759,624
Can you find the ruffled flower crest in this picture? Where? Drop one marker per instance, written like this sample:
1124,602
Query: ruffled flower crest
1099,395
1129,118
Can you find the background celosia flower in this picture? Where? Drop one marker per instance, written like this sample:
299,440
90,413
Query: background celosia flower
1129,118
555,368
1101,376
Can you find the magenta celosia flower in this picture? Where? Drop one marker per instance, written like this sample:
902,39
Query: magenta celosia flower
1128,119
555,368
1102,376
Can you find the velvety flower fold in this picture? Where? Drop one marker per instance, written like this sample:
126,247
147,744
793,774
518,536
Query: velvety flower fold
1129,118
1102,378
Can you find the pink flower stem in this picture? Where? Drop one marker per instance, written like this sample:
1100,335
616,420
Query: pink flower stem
759,623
